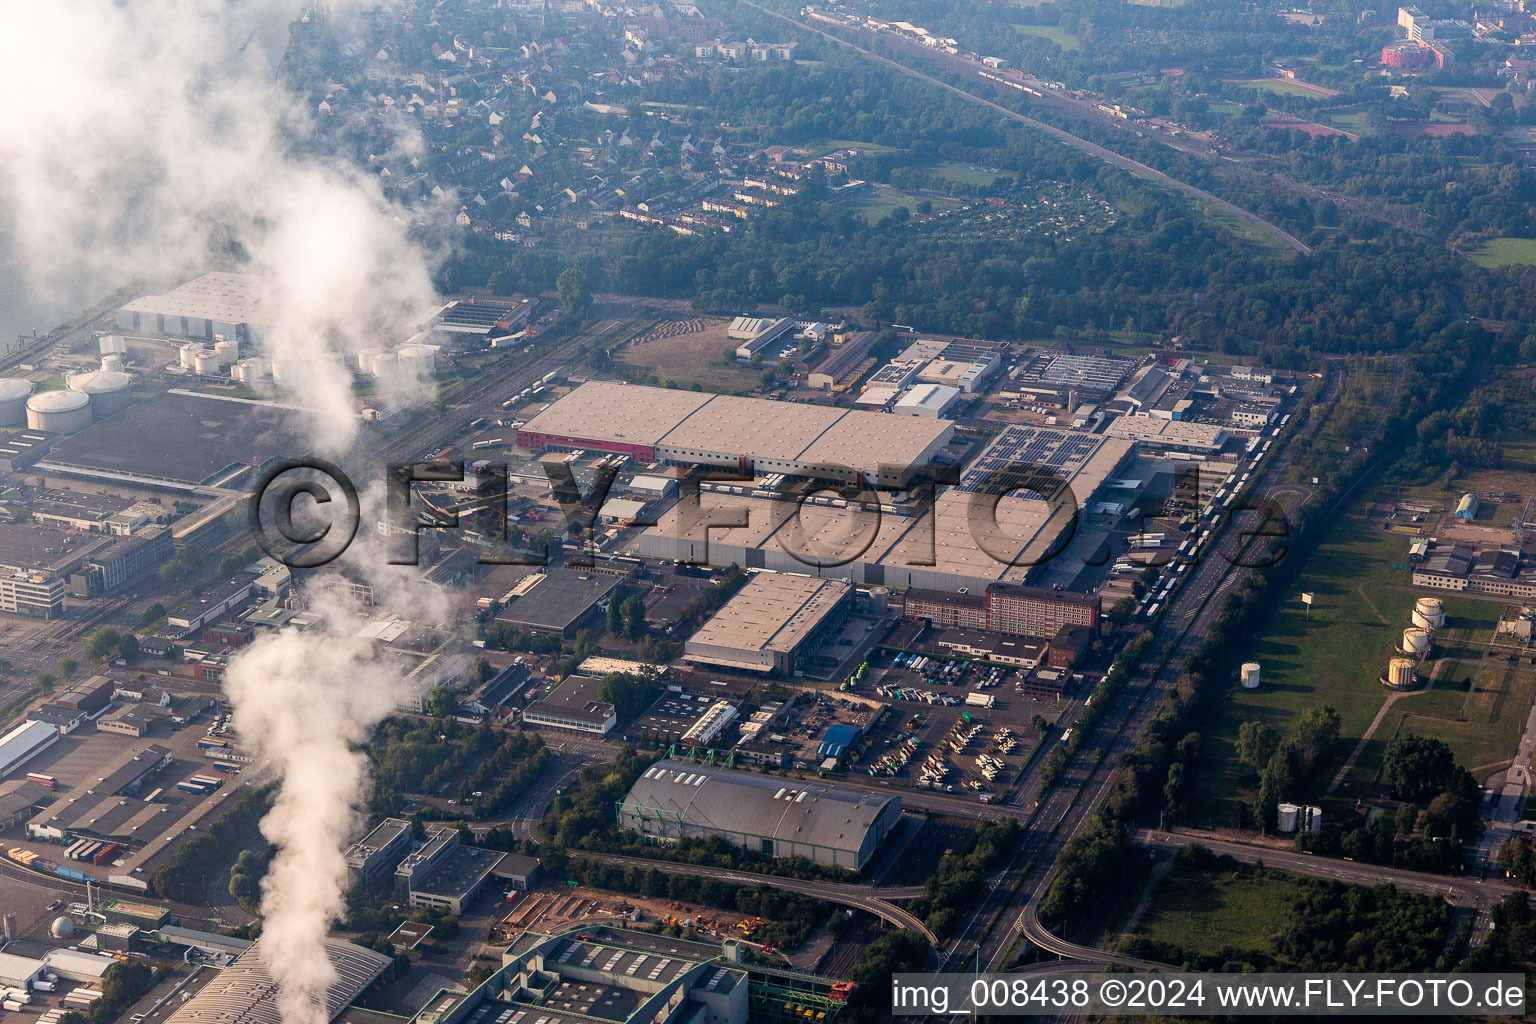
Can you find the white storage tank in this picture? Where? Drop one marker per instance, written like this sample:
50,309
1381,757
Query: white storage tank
879,600
113,362
189,354
62,412
1400,673
249,369
207,363
227,351
1287,817
14,393
112,345
1416,641
369,360
275,368
1429,613
1312,820
110,390
417,360
1250,675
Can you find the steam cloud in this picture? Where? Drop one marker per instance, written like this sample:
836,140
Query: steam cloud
163,145
155,146
304,702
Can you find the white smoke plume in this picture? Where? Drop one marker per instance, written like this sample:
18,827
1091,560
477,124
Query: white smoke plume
303,704
147,140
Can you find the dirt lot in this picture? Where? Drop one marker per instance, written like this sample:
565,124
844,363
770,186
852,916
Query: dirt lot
689,352
558,908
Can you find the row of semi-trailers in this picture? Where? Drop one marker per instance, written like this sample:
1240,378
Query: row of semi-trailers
92,851
204,784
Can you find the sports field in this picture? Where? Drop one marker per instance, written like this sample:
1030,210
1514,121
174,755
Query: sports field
1285,87
968,174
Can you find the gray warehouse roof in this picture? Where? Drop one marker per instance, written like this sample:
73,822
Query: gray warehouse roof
245,990
724,799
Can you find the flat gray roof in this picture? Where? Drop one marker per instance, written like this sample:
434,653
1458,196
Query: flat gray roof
784,431
726,800
775,611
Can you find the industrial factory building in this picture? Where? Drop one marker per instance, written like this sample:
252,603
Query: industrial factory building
772,624
23,743
1006,608
1012,510
245,991
609,974
238,306
756,333
377,853
774,817
180,440
574,705
743,435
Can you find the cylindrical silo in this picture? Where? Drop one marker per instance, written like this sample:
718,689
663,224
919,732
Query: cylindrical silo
1400,673
62,412
249,369
417,360
1416,641
13,401
189,354
1250,675
1313,818
207,363
227,351
1429,613
110,390
879,600
1287,816
368,361
276,369
112,361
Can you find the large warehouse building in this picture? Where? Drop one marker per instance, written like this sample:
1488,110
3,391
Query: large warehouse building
245,991
1012,511
775,817
238,306
182,440
772,624
745,435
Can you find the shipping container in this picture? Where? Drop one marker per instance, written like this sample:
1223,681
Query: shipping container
193,787
41,779
105,854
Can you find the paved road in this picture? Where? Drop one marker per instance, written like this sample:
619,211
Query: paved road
1008,907
1061,135
860,897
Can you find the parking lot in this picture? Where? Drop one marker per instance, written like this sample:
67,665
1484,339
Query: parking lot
933,739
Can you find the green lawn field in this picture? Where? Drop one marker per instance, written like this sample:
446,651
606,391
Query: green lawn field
877,203
1506,252
1204,910
1060,36
966,174
1335,656
1282,87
